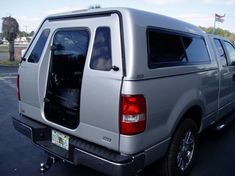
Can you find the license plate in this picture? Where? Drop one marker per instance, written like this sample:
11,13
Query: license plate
60,139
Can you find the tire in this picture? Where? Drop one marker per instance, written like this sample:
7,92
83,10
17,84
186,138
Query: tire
182,150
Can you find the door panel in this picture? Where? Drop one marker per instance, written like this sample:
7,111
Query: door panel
226,76
29,68
101,86
230,50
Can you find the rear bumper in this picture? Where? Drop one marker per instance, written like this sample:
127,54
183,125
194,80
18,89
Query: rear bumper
80,151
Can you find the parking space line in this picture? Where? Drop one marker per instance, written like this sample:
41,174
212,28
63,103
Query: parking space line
7,79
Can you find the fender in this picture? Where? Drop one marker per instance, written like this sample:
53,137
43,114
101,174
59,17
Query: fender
188,100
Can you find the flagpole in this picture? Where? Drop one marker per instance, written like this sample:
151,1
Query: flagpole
213,32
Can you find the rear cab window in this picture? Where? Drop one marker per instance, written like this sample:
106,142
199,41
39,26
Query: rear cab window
169,48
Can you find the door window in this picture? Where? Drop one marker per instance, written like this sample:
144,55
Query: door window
196,50
220,50
231,50
170,48
68,57
101,58
165,48
38,48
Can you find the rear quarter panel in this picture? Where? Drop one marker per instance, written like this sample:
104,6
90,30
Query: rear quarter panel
168,98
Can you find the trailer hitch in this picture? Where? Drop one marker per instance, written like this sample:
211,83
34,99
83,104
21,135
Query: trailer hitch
44,167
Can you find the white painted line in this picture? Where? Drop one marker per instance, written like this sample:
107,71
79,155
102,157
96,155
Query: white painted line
6,80
3,74
7,77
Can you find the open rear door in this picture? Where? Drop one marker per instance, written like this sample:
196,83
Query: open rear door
84,78
62,101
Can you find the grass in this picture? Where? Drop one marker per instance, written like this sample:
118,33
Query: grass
4,61
3,49
9,63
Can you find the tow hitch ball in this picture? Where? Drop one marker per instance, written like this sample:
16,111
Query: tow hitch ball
44,167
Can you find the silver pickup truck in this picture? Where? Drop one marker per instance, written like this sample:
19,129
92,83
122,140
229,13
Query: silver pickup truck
117,89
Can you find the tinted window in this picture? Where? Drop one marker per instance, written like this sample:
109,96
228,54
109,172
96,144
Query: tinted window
65,76
71,43
231,50
68,57
219,47
38,48
101,58
165,48
196,49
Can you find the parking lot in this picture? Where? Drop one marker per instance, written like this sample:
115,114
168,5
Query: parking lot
18,157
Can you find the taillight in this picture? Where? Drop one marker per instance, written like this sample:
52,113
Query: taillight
133,114
18,87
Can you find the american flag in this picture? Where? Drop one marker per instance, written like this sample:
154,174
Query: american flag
219,18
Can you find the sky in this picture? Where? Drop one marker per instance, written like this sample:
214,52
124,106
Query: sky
30,13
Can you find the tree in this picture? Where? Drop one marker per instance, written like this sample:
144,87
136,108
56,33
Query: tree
25,34
31,33
10,29
218,31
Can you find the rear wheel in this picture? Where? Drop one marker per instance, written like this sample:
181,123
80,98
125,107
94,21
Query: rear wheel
182,150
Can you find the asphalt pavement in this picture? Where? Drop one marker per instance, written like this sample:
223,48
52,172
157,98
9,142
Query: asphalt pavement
19,157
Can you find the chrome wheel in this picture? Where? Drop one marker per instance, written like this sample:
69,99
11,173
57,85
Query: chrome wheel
182,150
186,150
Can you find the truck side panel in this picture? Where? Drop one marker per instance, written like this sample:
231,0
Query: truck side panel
167,100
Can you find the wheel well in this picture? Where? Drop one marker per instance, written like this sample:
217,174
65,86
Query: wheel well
194,113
